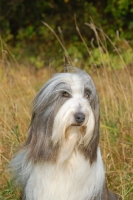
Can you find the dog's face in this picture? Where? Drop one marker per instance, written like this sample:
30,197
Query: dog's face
66,109
75,110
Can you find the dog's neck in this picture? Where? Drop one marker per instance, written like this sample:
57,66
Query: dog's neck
73,180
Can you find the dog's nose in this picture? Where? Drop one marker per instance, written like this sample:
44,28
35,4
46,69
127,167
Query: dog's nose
79,117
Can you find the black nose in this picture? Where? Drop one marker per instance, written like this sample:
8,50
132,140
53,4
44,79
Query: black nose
79,117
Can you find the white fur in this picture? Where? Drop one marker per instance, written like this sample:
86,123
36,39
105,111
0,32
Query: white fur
76,180
72,176
65,115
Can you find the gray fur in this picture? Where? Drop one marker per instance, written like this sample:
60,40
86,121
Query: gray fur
39,146
45,106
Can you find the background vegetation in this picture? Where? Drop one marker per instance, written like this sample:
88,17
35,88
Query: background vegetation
22,28
98,39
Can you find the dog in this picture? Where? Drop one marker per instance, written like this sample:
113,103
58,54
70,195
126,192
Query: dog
61,158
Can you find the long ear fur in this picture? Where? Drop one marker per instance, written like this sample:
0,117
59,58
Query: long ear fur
39,141
91,150
95,139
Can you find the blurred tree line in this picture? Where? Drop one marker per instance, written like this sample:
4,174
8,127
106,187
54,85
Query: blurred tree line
21,25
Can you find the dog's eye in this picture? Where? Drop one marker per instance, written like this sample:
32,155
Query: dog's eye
87,94
65,94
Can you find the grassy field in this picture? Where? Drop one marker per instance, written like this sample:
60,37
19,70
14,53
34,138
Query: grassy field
18,86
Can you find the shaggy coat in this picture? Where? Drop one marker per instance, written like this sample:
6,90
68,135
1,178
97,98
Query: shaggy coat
61,159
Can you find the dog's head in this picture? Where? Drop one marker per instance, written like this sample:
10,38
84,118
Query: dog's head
66,107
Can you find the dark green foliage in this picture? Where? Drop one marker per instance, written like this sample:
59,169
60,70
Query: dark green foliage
21,24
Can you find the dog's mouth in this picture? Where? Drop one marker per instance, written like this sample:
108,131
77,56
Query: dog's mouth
81,125
80,129
77,124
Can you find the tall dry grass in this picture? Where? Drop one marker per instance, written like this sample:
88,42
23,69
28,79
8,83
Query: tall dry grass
18,86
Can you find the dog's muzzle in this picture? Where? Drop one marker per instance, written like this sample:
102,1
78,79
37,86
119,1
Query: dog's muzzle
79,118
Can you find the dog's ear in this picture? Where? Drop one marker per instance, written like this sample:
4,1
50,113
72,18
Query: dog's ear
92,146
39,140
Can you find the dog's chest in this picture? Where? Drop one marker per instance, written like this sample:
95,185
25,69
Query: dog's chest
70,181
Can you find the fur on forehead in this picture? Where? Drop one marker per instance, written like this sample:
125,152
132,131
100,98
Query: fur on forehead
63,82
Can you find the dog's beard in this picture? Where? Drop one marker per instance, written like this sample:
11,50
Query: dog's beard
69,134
